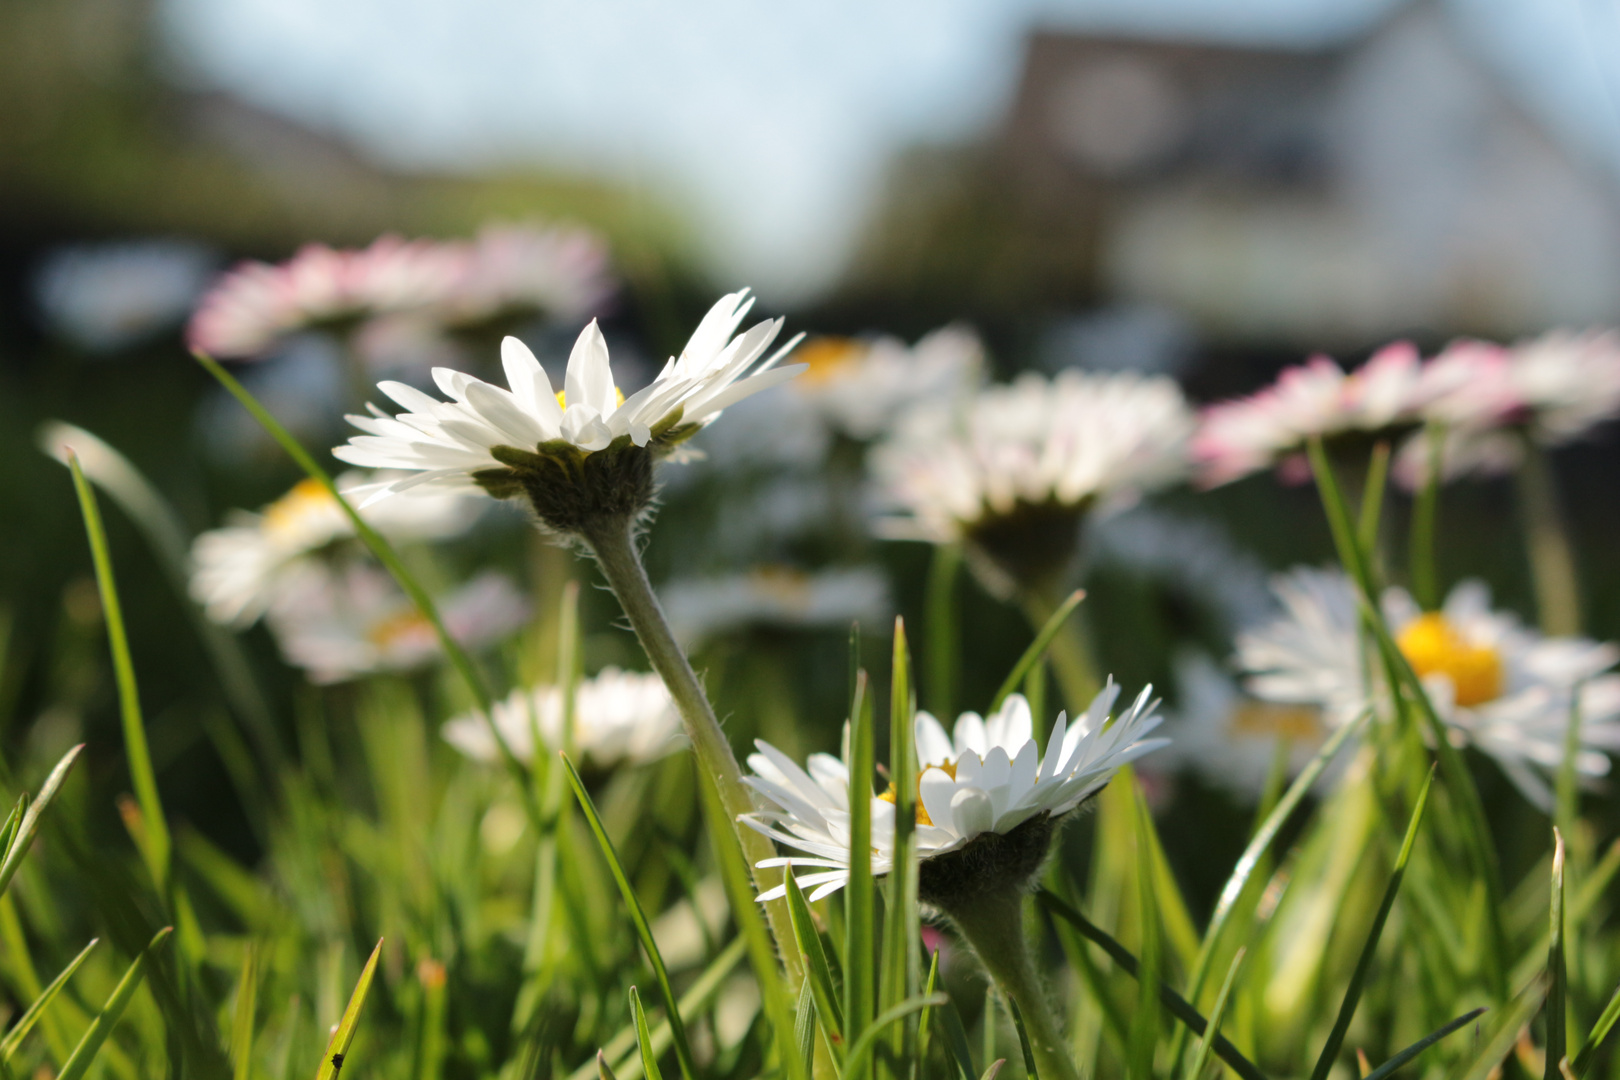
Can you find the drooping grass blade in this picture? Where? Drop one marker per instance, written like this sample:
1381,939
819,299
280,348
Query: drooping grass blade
1176,1005
683,1048
26,1022
1352,994
156,848
1498,1044
1388,1067
170,541
337,1047
75,1067
1038,647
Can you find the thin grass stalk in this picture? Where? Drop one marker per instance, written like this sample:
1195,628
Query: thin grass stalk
1547,543
1176,1005
385,553
1459,780
1046,633
944,628
1216,1015
902,939
1425,515
1259,845
1067,647
1387,1068
1352,994
1557,974
157,847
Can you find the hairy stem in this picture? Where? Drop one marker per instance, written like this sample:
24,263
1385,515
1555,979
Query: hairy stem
993,923
613,544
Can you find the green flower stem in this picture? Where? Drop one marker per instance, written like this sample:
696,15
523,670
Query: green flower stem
1546,539
614,546
993,923
1070,651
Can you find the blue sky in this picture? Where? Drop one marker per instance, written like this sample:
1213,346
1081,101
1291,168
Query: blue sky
769,123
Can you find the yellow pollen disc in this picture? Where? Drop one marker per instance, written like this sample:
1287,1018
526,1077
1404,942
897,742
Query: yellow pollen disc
827,357
1296,723
949,769
396,628
1434,647
306,497
787,585
562,402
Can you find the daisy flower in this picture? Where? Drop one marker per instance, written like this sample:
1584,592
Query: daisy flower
1505,689
858,387
238,570
987,778
1553,389
1016,470
620,717
342,624
256,304
777,596
579,453
1384,396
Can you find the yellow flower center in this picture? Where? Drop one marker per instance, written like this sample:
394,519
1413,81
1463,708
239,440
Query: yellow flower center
1434,647
307,497
395,629
828,357
562,401
787,585
949,769
1264,719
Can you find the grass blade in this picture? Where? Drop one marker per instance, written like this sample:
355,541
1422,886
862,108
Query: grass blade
1352,993
818,973
956,1040
1023,1040
85,1053
902,938
698,997
25,830
859,901
171,542
1176,1005
1600,1031
876,1028
247,995
1038,647
25,1024
156,847
683,1049
1144,1029
804,1025
1510,1022
1557,972
1425,509
1372,498
1216,1015
390,559
1258,847
1422,1044
338,1046
649,1056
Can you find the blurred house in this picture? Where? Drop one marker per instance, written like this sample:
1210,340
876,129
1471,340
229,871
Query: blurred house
1386,184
